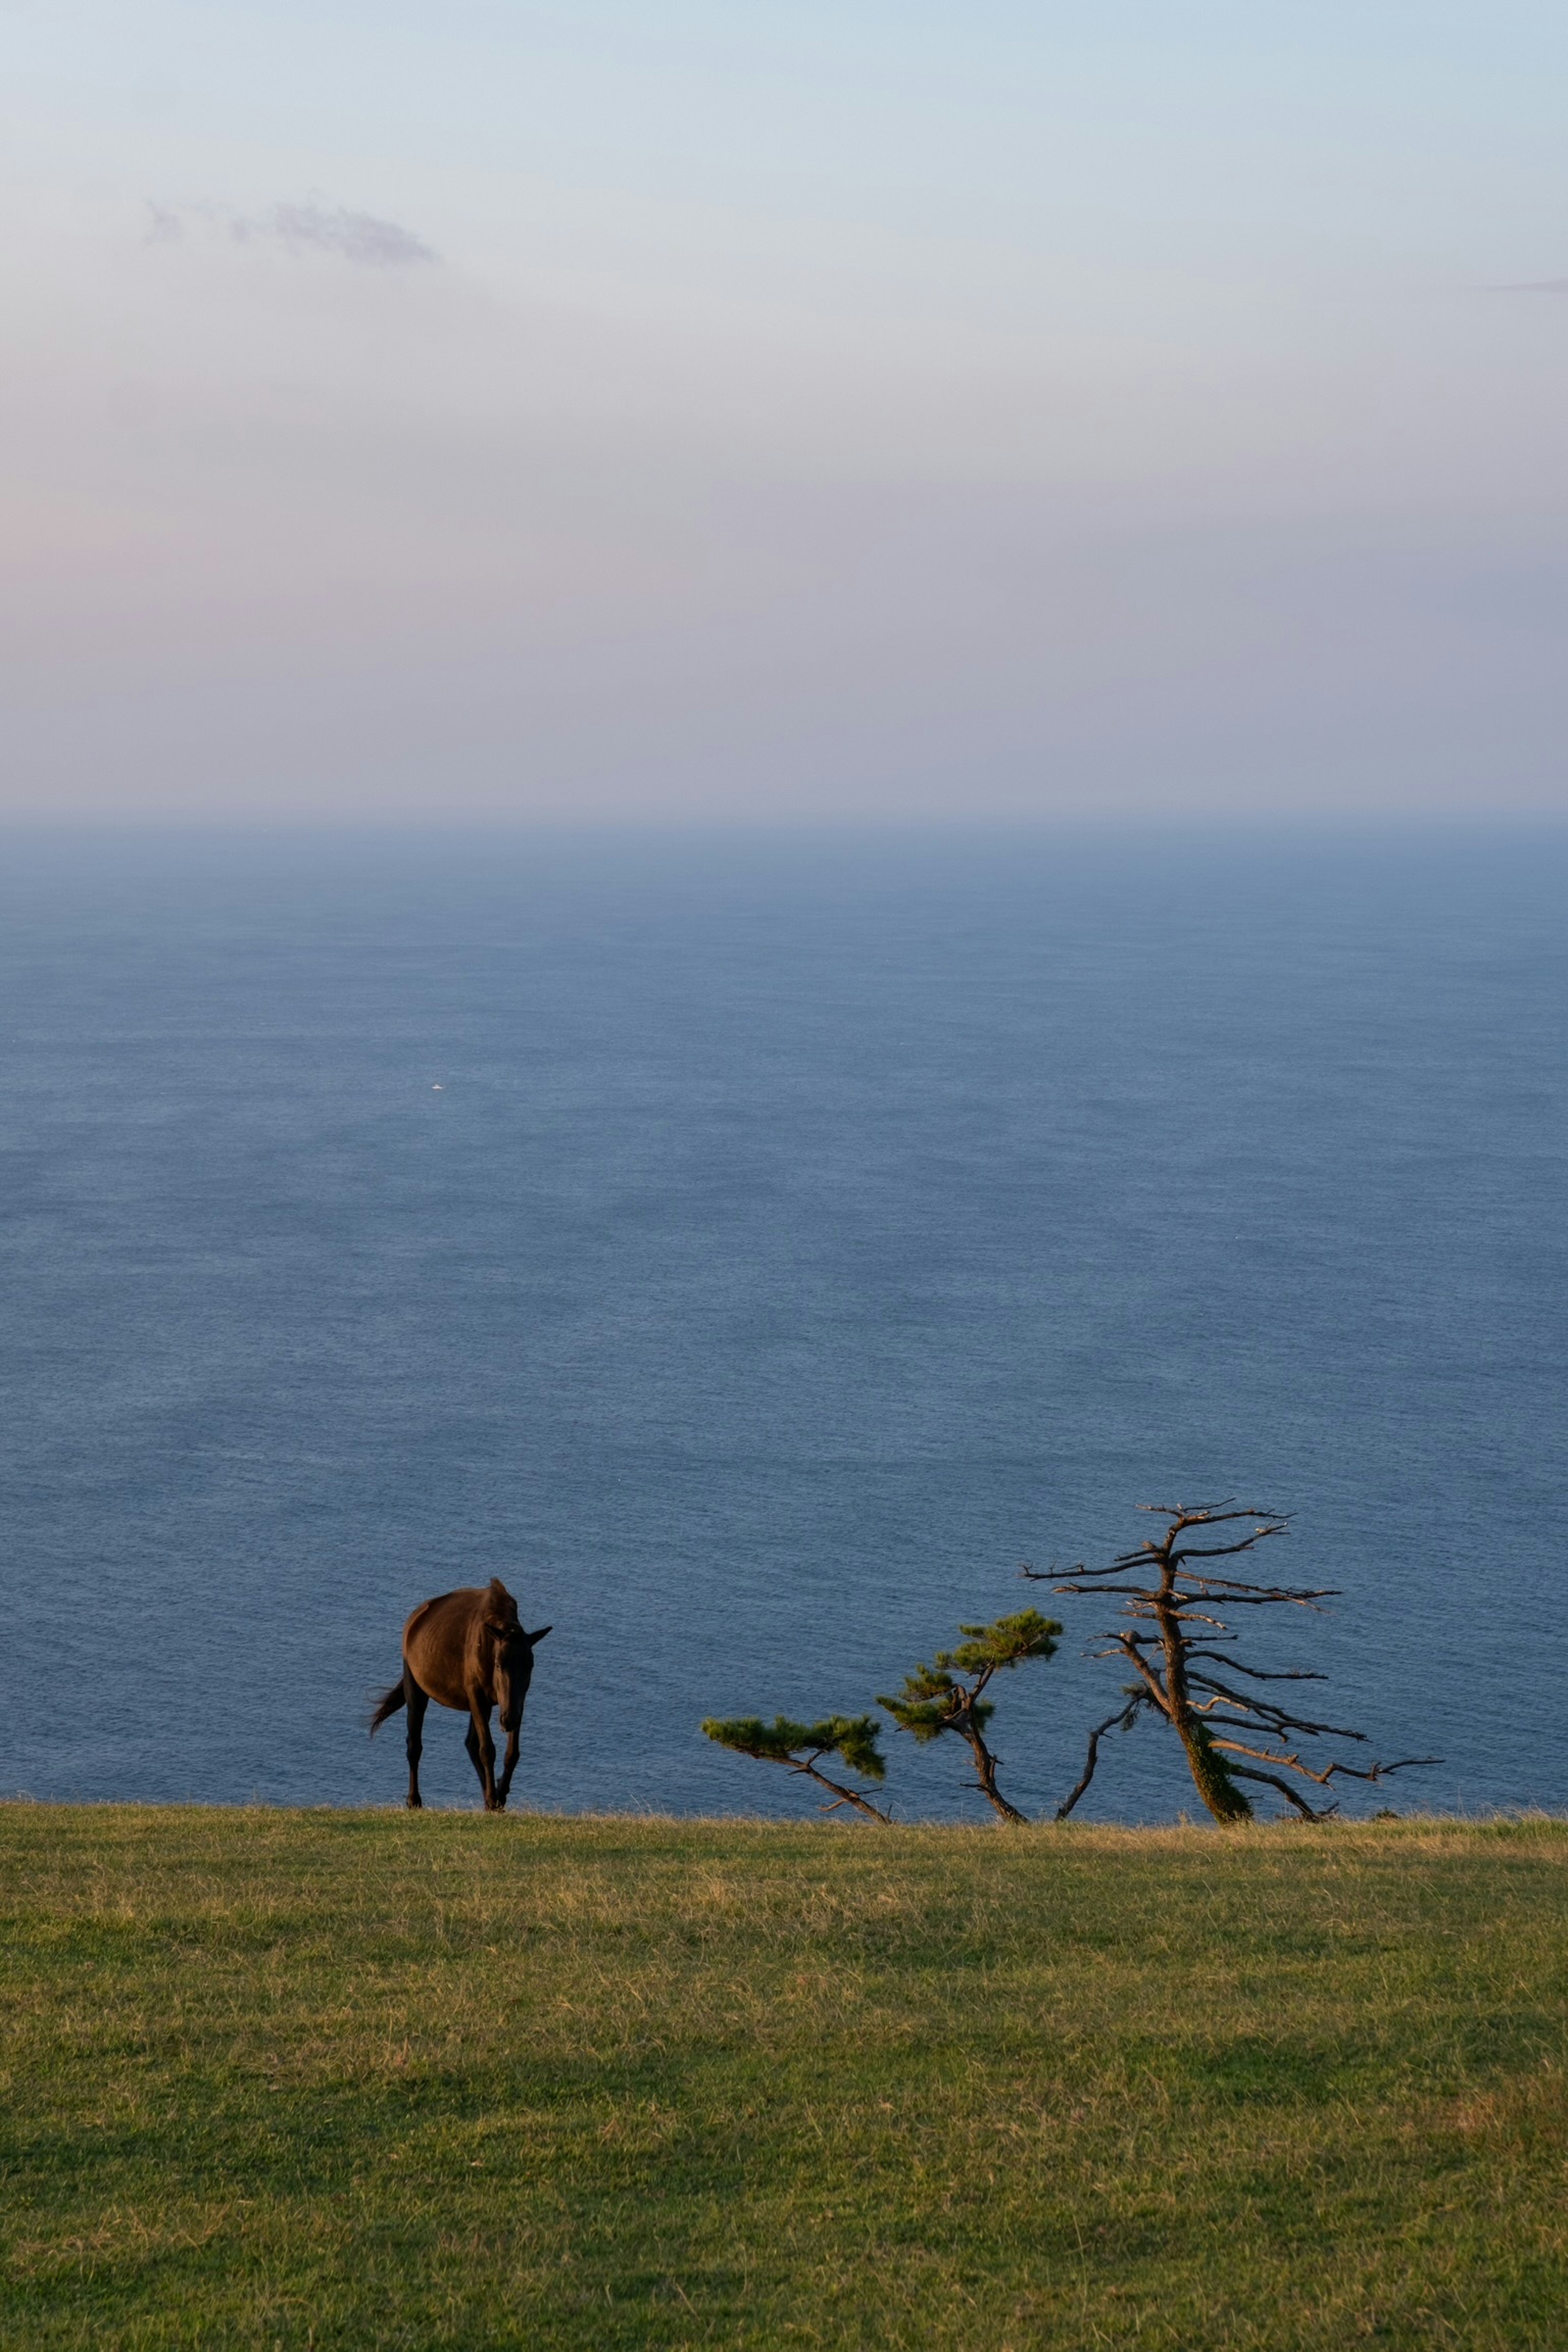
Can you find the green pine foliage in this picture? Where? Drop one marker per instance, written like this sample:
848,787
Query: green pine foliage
931,1702
1006,1643
851,1737
932,1698
938,1698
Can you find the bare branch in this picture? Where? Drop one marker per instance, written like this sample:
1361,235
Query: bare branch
1343,1770
1192,1515
1261,1673
1258,1596
1222,1551
1375,1771
1113,1722
1309,1811
1155,1688
1268,1713
841,1795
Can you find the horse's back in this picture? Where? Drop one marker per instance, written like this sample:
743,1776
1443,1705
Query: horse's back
425,1608
436,1642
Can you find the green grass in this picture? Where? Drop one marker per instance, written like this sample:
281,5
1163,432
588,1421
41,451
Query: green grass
352,2079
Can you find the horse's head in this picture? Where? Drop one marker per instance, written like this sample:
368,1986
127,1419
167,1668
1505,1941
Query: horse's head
500,1609
514,1670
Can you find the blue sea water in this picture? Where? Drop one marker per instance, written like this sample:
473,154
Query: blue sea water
752,1248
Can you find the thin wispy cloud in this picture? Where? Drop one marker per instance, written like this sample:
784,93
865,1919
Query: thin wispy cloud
362,239
1532,285
358,238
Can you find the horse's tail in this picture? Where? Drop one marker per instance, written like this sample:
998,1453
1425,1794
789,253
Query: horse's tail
395,1698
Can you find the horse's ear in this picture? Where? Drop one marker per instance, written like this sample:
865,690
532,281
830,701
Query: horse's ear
532,1638
498,1589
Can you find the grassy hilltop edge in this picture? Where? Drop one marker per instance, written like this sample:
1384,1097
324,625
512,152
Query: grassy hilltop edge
313,2079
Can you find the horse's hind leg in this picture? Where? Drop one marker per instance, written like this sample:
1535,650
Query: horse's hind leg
416,1703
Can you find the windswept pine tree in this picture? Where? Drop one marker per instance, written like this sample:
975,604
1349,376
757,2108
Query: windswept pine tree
1182,1652
801,1746
947,1696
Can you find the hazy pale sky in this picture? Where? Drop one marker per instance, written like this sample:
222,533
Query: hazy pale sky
490,410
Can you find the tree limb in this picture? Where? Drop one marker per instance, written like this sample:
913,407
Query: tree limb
1112,1723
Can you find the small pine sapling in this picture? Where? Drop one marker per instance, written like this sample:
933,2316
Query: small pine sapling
801,1746
946,1697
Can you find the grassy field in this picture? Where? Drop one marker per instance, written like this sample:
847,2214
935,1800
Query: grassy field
345,2079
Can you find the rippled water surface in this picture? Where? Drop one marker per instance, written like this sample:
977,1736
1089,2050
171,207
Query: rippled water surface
753,1250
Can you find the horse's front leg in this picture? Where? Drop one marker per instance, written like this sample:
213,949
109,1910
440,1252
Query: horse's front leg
508,1763
482,1750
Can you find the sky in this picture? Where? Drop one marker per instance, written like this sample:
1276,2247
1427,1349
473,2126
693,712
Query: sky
490,411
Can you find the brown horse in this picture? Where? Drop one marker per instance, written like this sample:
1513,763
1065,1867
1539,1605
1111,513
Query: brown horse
466,1650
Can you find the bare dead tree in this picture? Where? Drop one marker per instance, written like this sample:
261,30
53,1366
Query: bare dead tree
1182,1651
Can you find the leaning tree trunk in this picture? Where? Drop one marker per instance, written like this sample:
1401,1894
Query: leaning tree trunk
1211,1778
985,1773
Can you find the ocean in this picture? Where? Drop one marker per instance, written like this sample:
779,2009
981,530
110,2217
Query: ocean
753,1248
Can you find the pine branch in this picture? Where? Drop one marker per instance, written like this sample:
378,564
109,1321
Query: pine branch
800,1747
